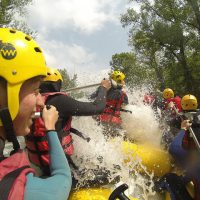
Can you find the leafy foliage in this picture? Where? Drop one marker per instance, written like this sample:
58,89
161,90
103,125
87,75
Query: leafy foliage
69,83
165,37
12,13
135,74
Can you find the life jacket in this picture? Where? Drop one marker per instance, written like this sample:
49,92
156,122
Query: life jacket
148,99
111,113
13,171
176,100
36,141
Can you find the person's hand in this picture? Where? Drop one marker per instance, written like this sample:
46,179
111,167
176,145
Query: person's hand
186,124
50,117
106,83
171,105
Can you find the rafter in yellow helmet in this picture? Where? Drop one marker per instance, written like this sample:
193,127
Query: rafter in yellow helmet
168,93
20,59
53,75
118,76
189,102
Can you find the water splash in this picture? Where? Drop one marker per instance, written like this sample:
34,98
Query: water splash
141,126
107,156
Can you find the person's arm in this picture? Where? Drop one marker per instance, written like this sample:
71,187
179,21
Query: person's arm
94,94
126,100
176,148
68,106
58,185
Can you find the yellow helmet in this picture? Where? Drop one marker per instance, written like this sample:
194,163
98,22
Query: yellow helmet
189,102
168,93
20,59
53,75
118,76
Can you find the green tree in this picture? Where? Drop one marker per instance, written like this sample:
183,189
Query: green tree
70,83
67,81
136,74
12,13
165,36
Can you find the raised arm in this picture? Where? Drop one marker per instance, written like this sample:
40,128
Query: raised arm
58,185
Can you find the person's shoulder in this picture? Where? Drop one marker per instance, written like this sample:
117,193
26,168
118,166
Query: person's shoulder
58,97
177,97
116,91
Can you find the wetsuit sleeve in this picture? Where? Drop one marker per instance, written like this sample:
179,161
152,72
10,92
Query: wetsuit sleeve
94,94
176,149
68,106
58,185
126,99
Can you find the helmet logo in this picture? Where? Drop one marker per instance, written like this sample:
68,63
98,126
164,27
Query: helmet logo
7,50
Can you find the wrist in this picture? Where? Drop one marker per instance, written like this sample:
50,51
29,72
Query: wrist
104,87
50,130
50,126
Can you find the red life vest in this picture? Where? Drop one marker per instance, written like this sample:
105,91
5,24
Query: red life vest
37,144
176,100
111,113
18,164
148,99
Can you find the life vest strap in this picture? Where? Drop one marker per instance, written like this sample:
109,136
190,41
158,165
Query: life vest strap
113,108
67,145
9,129
7,182
35,138
42,152
80,134
71,162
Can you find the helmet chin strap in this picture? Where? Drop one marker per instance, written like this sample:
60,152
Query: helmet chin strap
8,127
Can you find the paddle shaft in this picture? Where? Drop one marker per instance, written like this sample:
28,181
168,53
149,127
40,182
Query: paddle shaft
190,130
82,87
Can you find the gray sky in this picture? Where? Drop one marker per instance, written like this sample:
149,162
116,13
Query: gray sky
79,35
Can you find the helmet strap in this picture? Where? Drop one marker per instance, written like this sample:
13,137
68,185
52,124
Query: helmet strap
2,145
9,129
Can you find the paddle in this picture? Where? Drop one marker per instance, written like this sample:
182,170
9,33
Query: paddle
190,129
118,193
82,87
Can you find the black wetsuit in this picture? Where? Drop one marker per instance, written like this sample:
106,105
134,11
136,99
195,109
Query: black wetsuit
68,106
113,93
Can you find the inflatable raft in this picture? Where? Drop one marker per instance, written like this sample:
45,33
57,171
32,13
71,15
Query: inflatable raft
93,194
154,159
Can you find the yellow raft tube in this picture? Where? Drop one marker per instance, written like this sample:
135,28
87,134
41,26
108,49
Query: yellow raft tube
155,161
93,194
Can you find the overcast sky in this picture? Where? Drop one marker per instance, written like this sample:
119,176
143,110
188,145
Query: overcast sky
79,35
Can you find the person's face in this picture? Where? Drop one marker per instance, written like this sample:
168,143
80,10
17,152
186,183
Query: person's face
29,98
